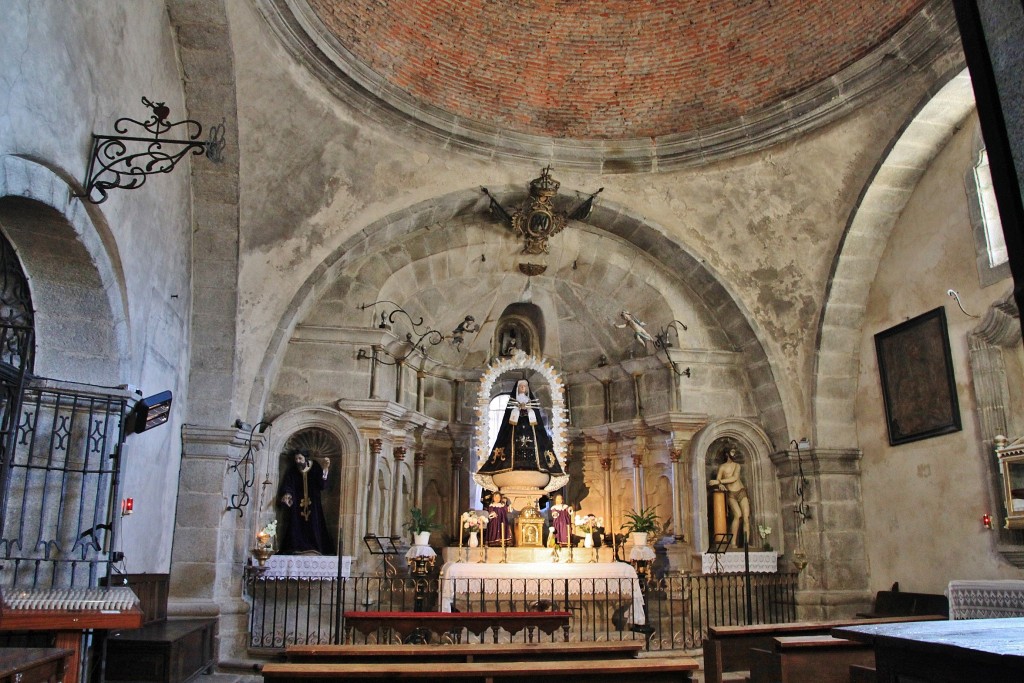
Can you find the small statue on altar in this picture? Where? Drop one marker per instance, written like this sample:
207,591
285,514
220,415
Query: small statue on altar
499,522
523,442
561,522
305,527
728,480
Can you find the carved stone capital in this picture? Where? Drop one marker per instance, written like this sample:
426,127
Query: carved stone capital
376,445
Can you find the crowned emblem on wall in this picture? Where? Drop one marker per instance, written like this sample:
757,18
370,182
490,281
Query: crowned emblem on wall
538,220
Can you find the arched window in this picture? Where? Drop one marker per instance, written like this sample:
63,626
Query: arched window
989,243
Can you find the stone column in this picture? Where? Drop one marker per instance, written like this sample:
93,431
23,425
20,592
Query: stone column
456,494
638,399
675,456
639,495
374,381
606,386
419,460
371,500
419,390
606,468
396,491
399,380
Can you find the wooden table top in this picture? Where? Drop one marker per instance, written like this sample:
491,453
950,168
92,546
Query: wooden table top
968,637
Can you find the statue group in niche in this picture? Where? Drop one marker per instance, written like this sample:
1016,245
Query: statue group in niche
728,480
523,441
305,526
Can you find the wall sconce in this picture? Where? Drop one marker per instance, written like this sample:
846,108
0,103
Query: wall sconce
245,468
127,506
986,520
125,161
419,339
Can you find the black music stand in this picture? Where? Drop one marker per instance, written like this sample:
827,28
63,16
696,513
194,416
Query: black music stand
719,545
383,546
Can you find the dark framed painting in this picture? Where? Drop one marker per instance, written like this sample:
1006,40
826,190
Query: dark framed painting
918,387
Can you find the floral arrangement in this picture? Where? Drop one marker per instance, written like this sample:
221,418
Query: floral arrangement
473,521
589,523
264,539
765,532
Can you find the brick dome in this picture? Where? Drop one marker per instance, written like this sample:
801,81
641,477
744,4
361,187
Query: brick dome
607,70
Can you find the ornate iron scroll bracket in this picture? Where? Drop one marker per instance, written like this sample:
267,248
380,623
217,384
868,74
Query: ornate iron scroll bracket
419,339
125,161
245,468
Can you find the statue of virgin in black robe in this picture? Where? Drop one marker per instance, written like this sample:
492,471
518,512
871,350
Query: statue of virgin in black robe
305,527
523,441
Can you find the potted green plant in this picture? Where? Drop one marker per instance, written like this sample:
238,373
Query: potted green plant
641,523
421,524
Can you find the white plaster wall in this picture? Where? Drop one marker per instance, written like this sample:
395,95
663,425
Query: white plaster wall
923,501
68,69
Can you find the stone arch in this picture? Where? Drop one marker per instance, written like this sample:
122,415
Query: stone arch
859,253
759,476
341,427
608,218
82,295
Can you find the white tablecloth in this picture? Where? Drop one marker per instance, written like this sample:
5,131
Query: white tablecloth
985,599
307,567
760,562
542,579
420,551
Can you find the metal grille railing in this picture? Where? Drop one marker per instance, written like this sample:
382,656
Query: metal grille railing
678,609
61,477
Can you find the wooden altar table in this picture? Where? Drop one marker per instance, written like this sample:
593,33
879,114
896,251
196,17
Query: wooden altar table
548,580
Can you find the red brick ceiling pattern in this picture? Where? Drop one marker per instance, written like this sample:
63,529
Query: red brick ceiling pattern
608,69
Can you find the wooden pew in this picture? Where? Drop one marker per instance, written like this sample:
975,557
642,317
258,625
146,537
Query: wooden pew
818,658
645,670
727,648
407,623
464,652
900,604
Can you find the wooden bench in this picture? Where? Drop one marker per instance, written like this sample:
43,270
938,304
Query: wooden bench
900,604
621,670
405,624
818,658
465,652
727,648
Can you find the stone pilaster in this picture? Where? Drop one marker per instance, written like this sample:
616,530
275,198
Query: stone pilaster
834,583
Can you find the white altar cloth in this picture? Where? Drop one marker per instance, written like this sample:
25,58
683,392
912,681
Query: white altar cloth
985,599
760,562
542,579
307,567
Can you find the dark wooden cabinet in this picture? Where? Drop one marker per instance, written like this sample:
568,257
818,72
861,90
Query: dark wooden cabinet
33,664
171,651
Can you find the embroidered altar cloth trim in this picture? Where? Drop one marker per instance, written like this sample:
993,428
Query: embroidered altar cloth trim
307,567
985,599
420,551
760,563
461,578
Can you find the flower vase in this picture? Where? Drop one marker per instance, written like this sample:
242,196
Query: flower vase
588,539
473,540
638,538
421,538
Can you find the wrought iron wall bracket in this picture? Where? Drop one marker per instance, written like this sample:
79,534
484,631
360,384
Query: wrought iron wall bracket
125,161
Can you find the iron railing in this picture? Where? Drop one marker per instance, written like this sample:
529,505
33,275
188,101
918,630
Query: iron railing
678,609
